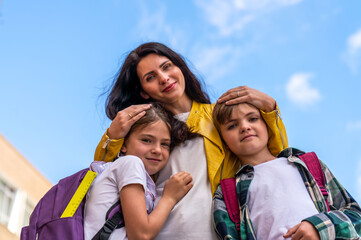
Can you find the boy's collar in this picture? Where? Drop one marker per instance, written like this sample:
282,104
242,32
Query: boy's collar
245,169
287,152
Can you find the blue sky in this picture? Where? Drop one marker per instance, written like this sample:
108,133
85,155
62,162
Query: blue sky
58,57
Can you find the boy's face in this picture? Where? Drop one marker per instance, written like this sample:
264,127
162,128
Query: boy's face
245,132
151,144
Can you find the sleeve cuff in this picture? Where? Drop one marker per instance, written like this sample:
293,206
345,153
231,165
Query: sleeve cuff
323,225
107,149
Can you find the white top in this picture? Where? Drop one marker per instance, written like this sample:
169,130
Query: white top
278,199
191,218
105,192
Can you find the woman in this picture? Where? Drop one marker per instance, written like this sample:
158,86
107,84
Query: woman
153,72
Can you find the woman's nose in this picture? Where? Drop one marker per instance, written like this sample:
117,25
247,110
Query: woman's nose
163,78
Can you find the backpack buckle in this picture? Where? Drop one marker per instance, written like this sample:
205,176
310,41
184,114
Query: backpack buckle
109,227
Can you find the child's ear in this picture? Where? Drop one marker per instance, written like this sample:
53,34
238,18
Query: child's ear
144,95
123,149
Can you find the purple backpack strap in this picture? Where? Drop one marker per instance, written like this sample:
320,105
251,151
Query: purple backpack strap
114,219
230,198
313,164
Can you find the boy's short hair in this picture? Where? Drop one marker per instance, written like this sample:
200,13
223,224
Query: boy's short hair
222,113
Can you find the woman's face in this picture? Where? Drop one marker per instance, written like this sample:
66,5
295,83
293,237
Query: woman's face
161,79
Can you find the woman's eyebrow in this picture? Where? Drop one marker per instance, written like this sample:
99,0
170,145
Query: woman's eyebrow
160,66
148,73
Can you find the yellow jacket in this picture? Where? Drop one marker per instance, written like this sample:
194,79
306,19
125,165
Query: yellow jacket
200,121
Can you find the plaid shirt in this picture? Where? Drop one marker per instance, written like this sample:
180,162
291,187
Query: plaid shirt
343,221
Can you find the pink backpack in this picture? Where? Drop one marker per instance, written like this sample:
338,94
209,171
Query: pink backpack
228,186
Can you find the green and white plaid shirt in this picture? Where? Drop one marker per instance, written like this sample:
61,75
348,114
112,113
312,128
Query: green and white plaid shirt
343,221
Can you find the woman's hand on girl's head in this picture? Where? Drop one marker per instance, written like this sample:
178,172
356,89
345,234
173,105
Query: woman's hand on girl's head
121,124
177,186
250,95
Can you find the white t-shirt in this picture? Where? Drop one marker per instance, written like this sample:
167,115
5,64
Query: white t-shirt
191,218
105,192
278,199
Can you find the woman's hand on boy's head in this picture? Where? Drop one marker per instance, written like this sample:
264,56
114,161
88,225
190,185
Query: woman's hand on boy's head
177,186
303,230
244,94
124,120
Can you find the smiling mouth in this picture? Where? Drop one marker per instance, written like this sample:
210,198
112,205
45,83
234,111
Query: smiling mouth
170,87
153,159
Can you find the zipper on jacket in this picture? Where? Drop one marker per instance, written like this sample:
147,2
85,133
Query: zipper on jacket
279,116
105,146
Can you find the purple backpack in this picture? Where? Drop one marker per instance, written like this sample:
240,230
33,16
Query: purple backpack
46,221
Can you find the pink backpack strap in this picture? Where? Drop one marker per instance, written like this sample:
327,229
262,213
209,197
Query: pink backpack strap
230,198
313,164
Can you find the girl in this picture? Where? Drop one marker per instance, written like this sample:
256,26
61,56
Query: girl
145,151
153,72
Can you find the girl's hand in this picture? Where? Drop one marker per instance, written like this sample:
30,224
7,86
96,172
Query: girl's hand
139,224
177,186
304,230
121,124
246,94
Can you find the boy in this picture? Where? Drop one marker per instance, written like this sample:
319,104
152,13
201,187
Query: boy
278,196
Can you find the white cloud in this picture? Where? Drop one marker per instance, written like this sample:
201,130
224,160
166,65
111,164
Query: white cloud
353,53
289,2
232,16
226,16
215,62
299,90
354,126
153,26
354,42
229,18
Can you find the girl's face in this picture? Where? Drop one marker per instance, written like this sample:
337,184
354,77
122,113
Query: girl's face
245,133
161,80
151,144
